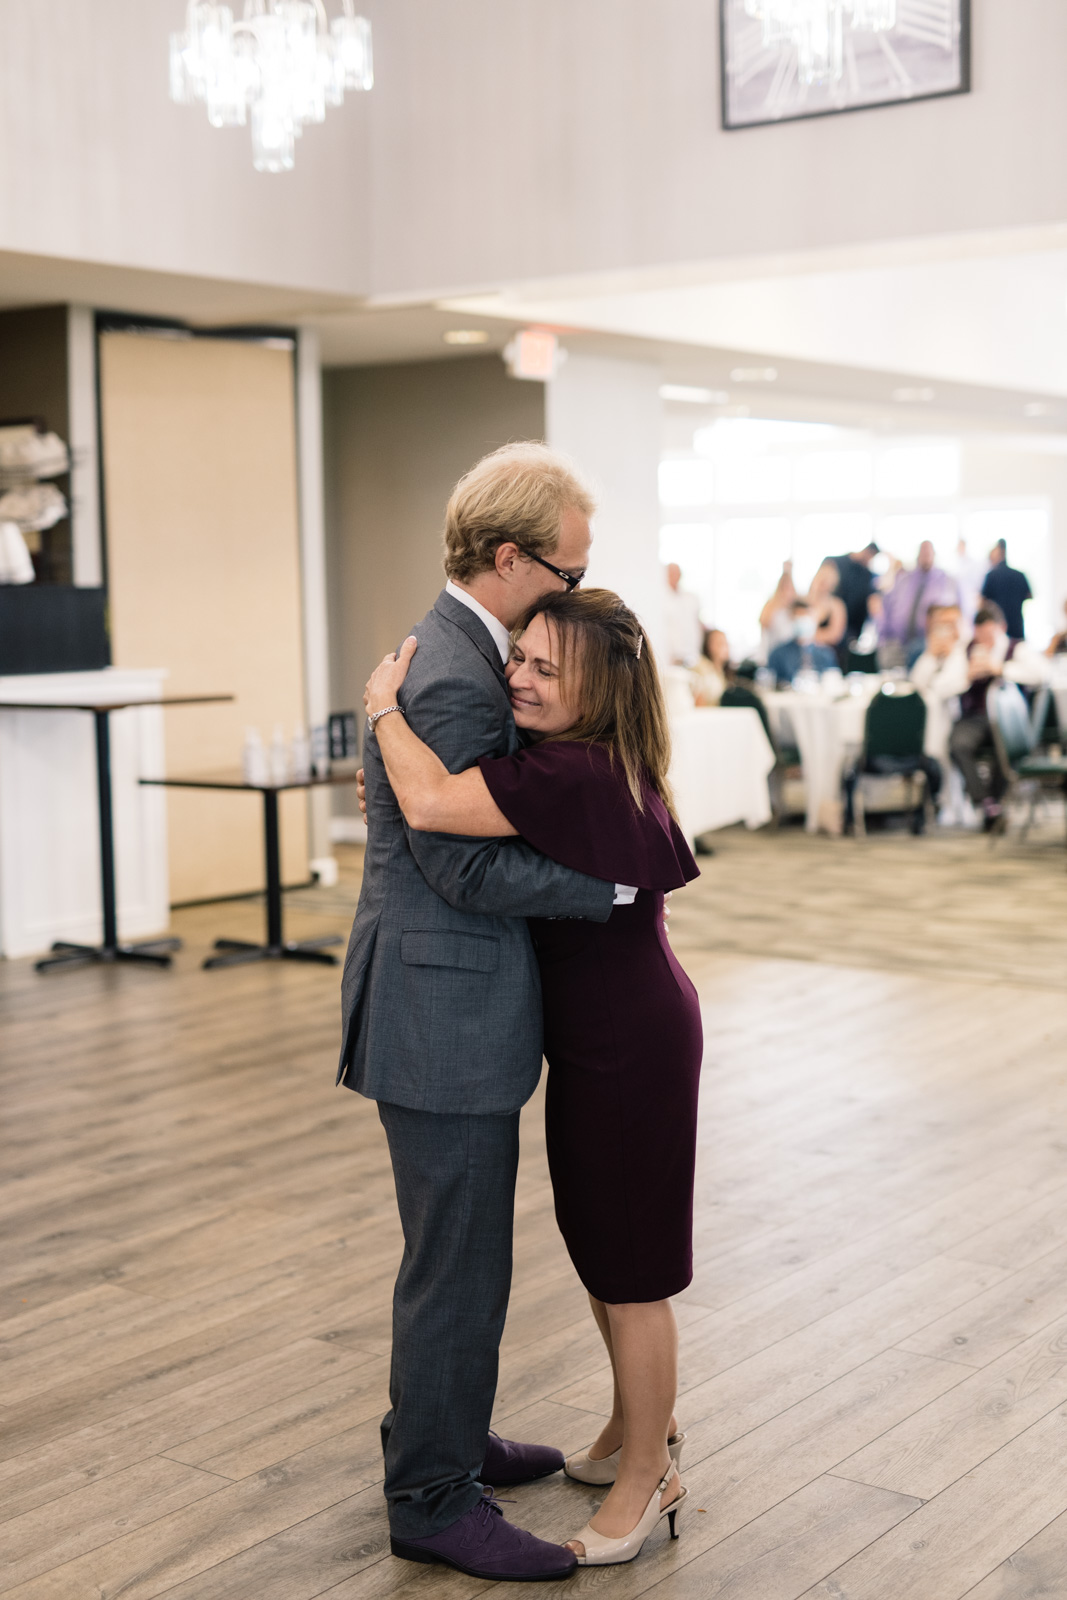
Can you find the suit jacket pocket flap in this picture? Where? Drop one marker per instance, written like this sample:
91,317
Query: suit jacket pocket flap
471,952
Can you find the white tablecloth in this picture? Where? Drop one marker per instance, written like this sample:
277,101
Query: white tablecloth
826,731
719,768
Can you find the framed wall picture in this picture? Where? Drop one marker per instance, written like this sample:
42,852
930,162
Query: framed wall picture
812,58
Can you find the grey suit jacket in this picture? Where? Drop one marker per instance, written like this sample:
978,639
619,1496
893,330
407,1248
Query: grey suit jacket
441,996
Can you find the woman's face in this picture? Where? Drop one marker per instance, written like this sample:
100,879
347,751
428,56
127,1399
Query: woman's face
534,682
718,650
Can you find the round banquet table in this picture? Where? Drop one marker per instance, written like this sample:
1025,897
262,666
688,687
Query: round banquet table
826,731
719,768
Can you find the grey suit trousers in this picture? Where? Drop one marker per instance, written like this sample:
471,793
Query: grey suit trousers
455,1187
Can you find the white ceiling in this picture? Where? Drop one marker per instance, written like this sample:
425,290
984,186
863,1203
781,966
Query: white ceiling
842,335
999,321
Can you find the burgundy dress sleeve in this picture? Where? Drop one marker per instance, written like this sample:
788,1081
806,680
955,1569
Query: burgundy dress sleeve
569,801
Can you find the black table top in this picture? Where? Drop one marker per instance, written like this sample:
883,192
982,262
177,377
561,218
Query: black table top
234,778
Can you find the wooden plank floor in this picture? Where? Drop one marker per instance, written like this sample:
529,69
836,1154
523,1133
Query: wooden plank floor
199,1241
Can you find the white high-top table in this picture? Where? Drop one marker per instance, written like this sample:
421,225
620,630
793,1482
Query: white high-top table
83,848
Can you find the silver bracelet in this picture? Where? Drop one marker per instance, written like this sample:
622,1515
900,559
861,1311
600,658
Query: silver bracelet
384,712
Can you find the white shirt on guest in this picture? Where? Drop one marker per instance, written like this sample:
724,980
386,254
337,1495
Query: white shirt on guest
625,895
685,635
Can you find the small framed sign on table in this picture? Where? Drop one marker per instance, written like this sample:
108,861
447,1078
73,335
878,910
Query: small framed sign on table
787,59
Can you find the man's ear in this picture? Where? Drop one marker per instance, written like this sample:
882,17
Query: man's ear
506,560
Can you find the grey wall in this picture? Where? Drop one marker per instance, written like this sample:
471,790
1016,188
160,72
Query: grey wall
396,440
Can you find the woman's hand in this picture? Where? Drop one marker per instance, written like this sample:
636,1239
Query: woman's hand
385,680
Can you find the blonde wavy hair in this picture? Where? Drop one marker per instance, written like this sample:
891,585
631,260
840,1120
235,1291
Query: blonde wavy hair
517,495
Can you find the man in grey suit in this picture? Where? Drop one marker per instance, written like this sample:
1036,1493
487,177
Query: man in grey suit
441,1008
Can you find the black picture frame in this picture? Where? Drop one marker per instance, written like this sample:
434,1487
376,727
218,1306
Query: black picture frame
805,114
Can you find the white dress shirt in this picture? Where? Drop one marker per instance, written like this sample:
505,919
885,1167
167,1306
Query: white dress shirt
624,893
499,634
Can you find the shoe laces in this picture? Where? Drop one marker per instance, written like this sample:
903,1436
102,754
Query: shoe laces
490,1506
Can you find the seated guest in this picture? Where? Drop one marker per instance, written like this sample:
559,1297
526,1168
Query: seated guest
711,673
1058,643
775,620
990,655
940,674
902,617
800,653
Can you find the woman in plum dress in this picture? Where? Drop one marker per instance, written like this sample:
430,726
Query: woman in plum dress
622,1022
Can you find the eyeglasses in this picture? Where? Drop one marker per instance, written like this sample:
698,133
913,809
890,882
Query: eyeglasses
571,579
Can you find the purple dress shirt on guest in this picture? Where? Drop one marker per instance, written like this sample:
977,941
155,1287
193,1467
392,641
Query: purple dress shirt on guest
904,608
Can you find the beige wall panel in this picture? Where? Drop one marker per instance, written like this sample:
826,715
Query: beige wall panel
396,440
204,575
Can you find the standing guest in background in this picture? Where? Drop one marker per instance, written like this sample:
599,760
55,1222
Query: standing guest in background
776,618
681,621
990,655
1008,588
969,574
1057,645
711,673
827,607
855,585
902,623
800,653
941,674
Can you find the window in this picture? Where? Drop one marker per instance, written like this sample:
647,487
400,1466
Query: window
686,483
834,475
918,472
804,491
758,480
749,552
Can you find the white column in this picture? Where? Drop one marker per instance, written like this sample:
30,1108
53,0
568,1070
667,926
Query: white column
313,571
84,469
607,416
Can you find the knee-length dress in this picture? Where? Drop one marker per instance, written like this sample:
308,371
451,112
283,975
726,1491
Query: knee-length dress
622,1023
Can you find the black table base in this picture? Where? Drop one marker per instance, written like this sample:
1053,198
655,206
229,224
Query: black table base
155,952
276,947
235,952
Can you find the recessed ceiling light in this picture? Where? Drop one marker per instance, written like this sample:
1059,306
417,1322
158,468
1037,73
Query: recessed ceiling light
754,375
692,396
466,336
1038,408
917,396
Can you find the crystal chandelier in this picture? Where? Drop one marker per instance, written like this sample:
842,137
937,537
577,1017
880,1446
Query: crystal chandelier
283,61
815,29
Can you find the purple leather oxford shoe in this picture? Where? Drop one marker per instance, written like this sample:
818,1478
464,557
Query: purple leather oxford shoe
507,1463
483,1545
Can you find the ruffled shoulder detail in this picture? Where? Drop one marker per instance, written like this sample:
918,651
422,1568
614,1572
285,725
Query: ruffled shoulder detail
573,804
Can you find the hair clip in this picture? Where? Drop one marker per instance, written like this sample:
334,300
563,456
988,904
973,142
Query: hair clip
640,642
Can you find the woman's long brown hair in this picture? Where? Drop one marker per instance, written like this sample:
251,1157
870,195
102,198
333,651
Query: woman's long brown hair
606,664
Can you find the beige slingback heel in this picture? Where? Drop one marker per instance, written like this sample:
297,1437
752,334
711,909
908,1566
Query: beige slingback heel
600,1551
